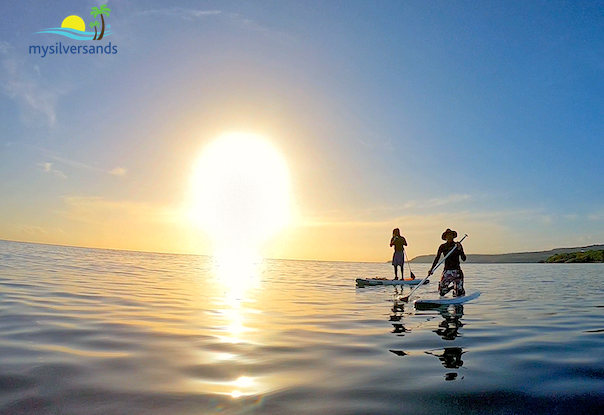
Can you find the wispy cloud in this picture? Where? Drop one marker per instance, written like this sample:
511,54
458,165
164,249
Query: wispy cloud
24,84
596,216
418,221
435,202
47,168
116,171
234,18
254,26
72,163
29,229
180,12
95,209
248,23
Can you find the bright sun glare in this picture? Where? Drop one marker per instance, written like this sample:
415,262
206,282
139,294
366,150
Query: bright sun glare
241,193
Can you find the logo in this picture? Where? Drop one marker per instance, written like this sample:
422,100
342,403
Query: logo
74,27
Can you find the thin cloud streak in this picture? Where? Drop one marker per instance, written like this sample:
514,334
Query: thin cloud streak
47,168
37,101
254,26
96,209
235,18
417,221
116,171
393,211
75,164
188,14
29,229
436,201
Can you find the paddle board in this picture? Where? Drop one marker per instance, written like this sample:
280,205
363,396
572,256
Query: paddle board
447,300
371,282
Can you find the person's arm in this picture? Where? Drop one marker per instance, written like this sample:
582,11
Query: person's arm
392,241
440,248
462,254
404,241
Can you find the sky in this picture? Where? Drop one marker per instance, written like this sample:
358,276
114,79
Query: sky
483,117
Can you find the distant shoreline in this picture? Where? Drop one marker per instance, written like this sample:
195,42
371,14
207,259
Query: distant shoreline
518,257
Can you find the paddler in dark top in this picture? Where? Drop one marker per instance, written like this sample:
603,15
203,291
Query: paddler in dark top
452,278
398,258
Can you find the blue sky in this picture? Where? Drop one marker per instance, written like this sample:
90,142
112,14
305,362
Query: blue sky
485,117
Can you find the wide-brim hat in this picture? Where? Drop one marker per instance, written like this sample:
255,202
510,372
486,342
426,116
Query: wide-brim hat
447,232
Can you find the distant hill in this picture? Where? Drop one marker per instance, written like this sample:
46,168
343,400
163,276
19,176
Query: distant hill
578,257
519,257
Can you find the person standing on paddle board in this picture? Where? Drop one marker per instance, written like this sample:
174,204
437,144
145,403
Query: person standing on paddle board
398,258
452,278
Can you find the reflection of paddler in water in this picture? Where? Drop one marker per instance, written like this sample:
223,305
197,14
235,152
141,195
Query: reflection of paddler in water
449,327
451,359
399,328
395,318
398,259
452,278
448,330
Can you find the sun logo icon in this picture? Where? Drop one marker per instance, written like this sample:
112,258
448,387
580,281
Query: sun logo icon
74,26
74,22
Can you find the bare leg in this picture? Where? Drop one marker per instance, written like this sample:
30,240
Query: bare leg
395,273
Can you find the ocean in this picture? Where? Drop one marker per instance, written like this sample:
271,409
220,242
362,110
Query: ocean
89,331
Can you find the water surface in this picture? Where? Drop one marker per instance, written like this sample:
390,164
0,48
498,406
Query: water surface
85,331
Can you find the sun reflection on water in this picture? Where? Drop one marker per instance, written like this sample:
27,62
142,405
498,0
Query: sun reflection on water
243,382
241,196
236,281
237,273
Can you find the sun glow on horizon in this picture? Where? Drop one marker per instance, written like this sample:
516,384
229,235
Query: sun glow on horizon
240,195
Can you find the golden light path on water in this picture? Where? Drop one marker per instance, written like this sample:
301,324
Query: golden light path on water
241,196
234,312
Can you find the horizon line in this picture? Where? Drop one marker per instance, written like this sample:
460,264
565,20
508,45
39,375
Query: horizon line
176,253
284,259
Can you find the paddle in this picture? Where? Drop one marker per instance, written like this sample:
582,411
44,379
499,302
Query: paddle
409,265
406,298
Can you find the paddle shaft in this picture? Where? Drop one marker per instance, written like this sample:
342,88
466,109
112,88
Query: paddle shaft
433,269
409,265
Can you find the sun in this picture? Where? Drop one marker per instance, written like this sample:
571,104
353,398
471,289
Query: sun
241,192
74,22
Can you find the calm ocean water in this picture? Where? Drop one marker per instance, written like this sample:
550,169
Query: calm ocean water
86,331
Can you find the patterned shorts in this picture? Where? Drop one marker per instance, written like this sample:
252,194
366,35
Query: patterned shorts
452,279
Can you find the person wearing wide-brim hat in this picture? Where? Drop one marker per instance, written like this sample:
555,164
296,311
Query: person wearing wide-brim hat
452,278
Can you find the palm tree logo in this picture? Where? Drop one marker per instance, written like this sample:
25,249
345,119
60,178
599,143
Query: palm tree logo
94,24
99,11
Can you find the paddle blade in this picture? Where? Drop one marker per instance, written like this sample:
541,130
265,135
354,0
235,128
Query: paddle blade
412,276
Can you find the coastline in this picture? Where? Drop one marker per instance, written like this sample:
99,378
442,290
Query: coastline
517,257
